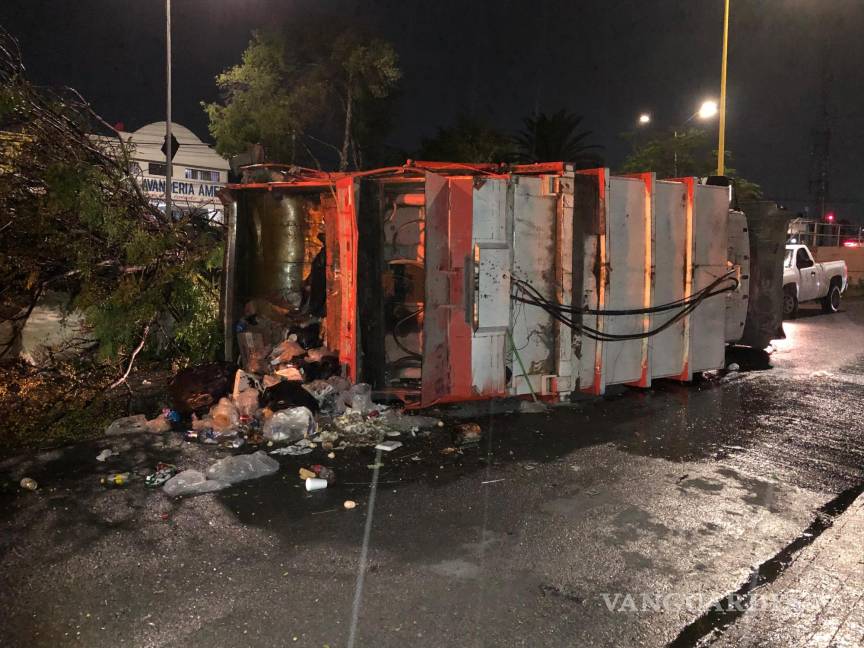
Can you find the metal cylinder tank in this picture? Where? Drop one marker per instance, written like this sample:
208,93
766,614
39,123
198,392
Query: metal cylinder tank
275,231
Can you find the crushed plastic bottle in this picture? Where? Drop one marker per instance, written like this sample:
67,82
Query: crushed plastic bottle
289,425
192,482
242,467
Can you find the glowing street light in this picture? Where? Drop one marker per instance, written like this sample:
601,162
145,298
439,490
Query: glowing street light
707,110
644,119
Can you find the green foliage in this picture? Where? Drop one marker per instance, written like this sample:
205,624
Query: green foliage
74,220
469,139
556,138
294,90
680,154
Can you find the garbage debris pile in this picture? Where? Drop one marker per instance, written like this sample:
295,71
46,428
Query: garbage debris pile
229,406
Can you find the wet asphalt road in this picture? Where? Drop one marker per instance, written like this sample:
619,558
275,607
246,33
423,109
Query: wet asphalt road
527,540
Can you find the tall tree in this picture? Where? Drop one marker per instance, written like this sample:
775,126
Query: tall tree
688,152
298,91
469,139
554,138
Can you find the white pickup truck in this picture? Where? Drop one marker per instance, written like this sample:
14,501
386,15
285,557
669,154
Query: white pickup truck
805,280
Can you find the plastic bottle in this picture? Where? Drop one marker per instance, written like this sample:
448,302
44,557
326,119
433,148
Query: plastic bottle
116,479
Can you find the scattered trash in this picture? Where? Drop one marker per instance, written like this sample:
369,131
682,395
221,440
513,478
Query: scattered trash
325,473
349,504
196,389
408,423
492,481
449,451
116,480
107,452
733,366
359,398
159,425
305,473
467,433
331,455
289,424
172,415
314,483
292,450
163,473
289,394
245,394
29,484
242,467
128,425
388,446
224,415
192,482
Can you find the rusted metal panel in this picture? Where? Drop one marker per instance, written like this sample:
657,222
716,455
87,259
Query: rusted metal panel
446,329
590,211
534,237
346,280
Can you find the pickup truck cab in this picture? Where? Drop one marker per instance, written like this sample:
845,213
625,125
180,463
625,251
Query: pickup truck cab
806,280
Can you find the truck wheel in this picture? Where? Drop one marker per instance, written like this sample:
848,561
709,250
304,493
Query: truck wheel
831,302
790,302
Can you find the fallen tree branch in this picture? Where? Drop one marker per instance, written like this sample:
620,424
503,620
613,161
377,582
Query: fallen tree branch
135,353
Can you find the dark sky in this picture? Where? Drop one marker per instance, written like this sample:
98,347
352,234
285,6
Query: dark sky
605,59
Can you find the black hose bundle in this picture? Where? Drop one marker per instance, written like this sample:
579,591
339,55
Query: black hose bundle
527,294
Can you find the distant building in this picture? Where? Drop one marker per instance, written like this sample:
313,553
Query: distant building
197,171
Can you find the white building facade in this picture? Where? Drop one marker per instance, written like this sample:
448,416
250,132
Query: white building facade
197,171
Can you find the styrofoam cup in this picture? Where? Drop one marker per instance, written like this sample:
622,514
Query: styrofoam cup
315,483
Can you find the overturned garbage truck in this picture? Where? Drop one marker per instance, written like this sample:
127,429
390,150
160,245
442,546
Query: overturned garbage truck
439,282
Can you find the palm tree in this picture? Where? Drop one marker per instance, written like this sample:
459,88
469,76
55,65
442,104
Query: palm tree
556,138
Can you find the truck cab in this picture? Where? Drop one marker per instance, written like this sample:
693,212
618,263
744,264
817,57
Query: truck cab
805,279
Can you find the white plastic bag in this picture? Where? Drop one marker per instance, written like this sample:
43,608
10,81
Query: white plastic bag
242,467
192,482
289,425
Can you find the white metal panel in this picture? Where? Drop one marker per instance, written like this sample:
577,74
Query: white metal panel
622,360
739,255
708,321
670,222
491,282
533,261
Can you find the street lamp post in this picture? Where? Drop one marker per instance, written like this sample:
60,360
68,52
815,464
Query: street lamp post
721,144
168,146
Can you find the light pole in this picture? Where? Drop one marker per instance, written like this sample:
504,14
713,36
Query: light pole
721,144
168,146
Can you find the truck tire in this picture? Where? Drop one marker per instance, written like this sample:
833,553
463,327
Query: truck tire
790,302
831,301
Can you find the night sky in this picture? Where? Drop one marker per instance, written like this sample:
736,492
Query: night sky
608,60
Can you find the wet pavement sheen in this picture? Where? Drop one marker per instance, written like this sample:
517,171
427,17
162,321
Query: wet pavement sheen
674,496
